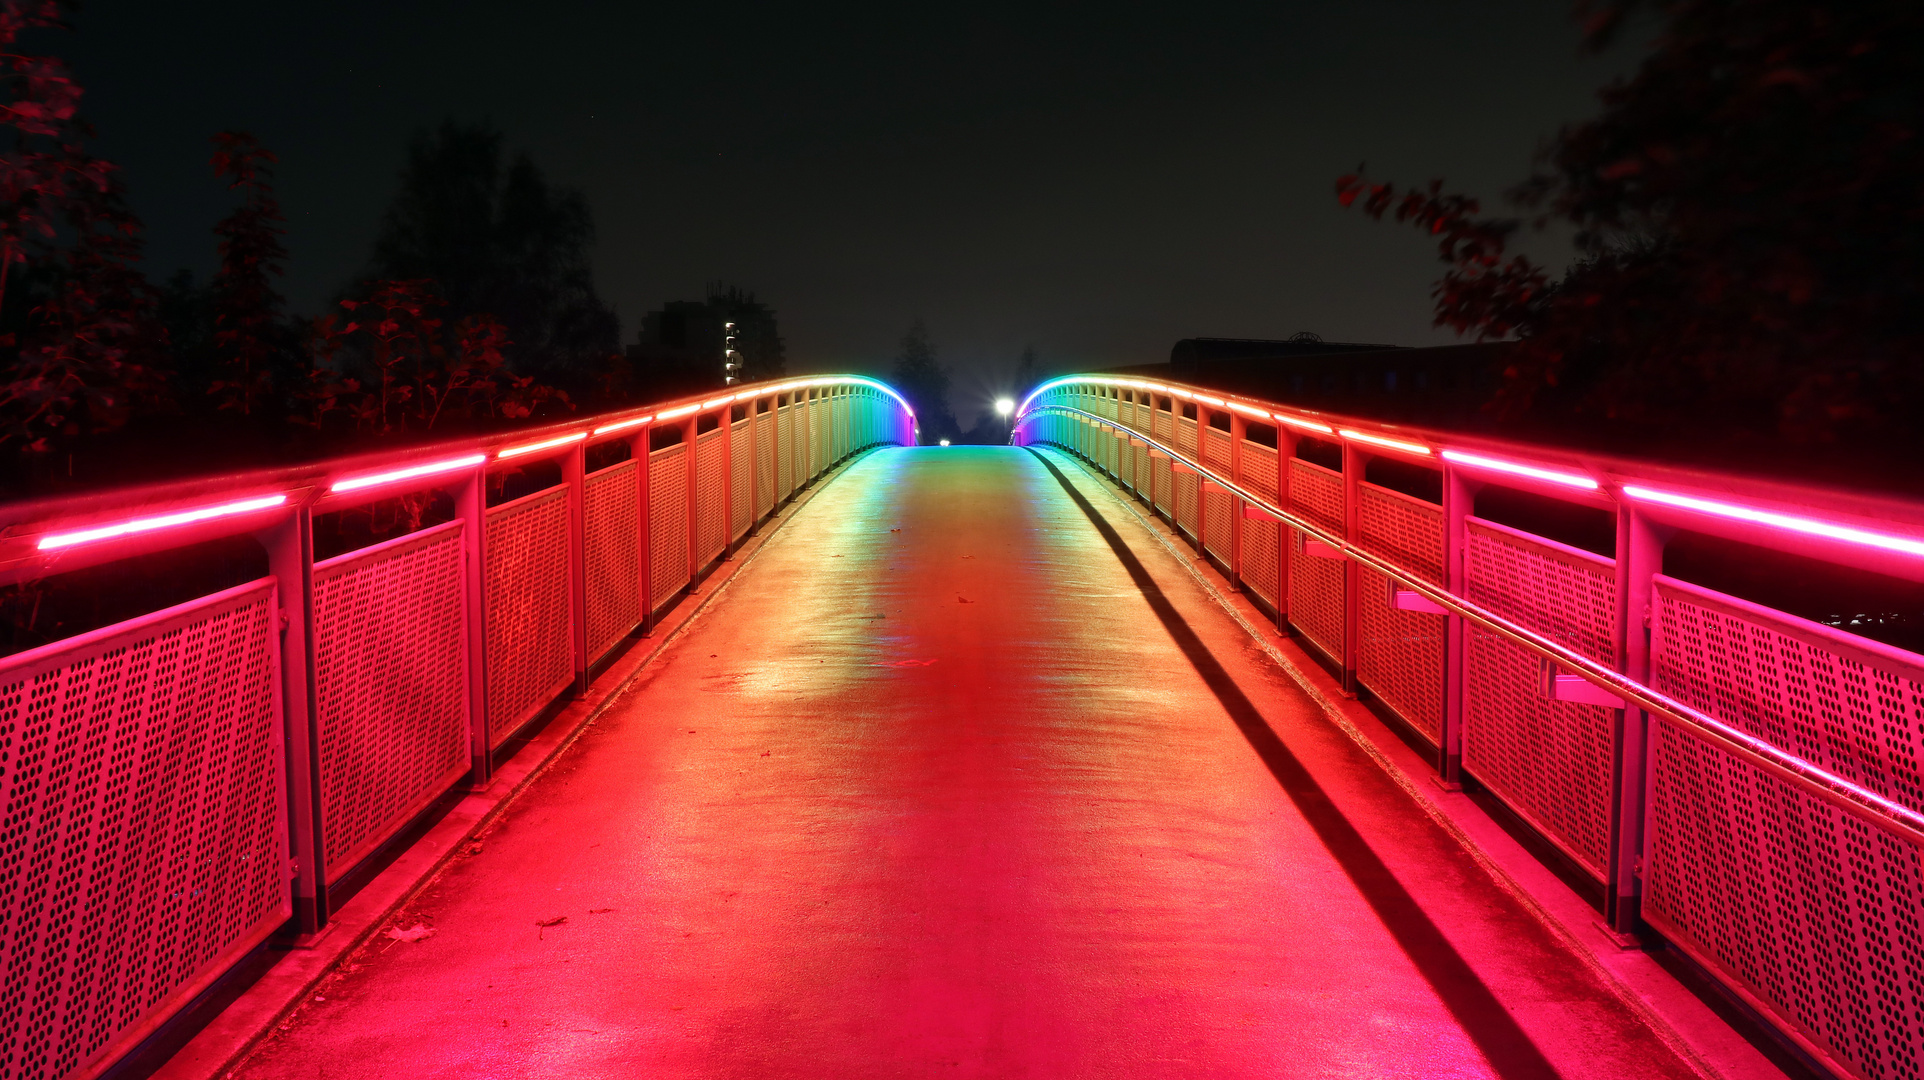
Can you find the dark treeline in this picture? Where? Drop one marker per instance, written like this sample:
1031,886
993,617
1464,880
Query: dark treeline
477,307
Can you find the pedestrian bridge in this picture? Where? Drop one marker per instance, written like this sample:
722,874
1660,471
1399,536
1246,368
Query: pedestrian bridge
1189,735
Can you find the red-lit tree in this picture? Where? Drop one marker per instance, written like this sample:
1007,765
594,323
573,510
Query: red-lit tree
1749,212
80,355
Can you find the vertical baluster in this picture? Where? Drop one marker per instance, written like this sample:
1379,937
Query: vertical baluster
1354,461
574,465
638,445
1459,500
471,506
290,560
1640,544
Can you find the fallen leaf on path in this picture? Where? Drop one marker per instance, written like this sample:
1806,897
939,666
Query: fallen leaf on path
599,910
413,933
545,923
963,600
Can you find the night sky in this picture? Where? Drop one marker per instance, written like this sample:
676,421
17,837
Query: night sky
1097,182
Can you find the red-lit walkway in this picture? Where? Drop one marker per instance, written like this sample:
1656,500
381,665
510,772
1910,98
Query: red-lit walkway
1001,794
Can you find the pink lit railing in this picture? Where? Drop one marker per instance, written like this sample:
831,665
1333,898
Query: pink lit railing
182,785
1744,782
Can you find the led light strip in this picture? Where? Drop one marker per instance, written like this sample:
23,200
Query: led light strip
1306,425
356,483
1809,527
141,525
623,425
1378,440
1480,462
670,414
546,444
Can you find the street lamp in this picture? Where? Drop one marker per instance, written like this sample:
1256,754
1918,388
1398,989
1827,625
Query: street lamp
1004,407
731,360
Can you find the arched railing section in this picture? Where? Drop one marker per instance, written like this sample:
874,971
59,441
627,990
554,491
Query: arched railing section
179,786
1745,782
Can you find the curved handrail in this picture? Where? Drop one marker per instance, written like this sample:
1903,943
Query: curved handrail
1859,802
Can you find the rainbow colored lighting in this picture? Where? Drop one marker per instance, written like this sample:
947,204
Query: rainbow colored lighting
545,444
623,425
356,483
1809,527
1477,461
1393,444
141,525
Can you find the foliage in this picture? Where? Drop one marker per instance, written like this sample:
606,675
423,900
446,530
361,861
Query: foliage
248,312
80,358
500,241
1749,209
413,374
923,380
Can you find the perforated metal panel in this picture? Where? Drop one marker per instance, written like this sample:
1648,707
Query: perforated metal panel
741,465
1162,477
1185,488
667,522
711,496
390,687
530,642
1400,653
1262,562
1550,760
785,438
764,434
817,438
142,850
1812,913
1186,436
1316,584
613,547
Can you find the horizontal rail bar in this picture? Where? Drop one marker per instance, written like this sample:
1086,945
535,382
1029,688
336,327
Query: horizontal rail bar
1861,803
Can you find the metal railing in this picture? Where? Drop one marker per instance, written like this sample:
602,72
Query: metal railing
182,785
1637,722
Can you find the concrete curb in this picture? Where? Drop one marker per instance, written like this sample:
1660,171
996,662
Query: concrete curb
225,1044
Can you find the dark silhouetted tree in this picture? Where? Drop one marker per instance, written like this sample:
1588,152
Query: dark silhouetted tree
500,241
1749,211
250,328
923,380
82,340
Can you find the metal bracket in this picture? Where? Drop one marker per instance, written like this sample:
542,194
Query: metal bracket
1557,684
1257,513
1314,548
1402,599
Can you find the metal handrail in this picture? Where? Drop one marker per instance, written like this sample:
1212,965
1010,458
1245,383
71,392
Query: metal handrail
1861,803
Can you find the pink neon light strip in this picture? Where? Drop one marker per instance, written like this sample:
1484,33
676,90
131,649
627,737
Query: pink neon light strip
1480,462
1393,444
141,525
1900,544
623,426
1307,425
670,414
358,482
529,448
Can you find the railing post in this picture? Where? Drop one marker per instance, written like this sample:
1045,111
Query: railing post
1238,429
574,466
1459,498
754,467
638,449
1353,462
290,559
1202,458
471,506
1285,453
727,441
690,429
1640,544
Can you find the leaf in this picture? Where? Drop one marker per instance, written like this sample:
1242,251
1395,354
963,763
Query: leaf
556,921
417,932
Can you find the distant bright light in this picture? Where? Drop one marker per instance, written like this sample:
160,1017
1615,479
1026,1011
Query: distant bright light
945,442
1004,406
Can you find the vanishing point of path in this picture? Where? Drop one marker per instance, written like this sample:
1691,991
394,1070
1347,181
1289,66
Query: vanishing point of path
965,776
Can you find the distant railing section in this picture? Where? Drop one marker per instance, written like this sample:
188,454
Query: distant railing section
179,786
1747,783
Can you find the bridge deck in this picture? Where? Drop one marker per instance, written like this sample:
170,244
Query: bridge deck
966,777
